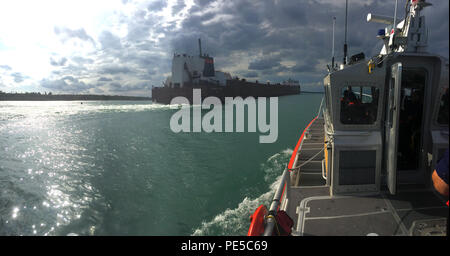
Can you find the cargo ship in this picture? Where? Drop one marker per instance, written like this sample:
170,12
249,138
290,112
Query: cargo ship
198,72
363,166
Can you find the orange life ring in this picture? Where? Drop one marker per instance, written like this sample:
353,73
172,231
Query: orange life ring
257,221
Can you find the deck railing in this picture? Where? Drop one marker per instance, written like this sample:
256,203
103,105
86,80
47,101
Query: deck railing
284,188
281,197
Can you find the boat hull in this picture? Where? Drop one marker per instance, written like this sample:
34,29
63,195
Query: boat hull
164,95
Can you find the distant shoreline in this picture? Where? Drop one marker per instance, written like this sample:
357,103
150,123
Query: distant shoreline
312,92
64,97
74,97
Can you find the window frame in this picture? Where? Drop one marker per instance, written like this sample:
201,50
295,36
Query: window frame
338,94
440,93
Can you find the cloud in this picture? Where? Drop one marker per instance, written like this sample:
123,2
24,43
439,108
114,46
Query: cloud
18,77
251,74
265,63
133,45
60,62
118,87
5,67
178,7
68,33
114,69
66,84
80,60
109,41
157,5
104,79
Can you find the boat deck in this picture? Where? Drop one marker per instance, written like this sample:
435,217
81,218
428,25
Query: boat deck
316,213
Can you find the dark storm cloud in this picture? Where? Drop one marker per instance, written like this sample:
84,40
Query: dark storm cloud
278,39
437,22
66,84
251,74
251,27
304,67
298,31
266,63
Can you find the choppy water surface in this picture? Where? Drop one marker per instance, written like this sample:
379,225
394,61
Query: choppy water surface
116,168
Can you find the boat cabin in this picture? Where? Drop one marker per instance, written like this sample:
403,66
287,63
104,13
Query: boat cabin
386,118
391,122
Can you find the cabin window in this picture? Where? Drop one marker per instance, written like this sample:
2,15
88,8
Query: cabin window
443,108
359,104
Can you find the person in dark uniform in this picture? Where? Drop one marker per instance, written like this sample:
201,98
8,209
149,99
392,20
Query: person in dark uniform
440,176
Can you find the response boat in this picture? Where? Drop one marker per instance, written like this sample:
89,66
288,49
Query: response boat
363,165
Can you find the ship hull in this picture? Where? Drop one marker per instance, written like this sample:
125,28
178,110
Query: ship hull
164,95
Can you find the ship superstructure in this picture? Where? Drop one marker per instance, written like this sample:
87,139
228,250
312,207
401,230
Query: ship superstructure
198,72
188,71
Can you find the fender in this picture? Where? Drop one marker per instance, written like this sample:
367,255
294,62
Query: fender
257,221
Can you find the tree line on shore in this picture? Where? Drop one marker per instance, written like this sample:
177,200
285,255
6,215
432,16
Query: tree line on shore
50,96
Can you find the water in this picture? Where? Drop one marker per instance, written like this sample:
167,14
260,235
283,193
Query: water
116,168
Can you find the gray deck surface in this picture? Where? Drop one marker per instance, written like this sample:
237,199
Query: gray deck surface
409,212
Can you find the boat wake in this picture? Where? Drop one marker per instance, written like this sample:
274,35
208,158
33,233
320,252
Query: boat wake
235,222
18,110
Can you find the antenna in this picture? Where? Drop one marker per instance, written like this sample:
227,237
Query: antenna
380,19
345,40
200,46
332,51
395,15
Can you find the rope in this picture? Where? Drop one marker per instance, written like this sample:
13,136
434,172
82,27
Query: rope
307,161
321,102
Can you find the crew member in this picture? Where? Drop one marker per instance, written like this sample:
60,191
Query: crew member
440,176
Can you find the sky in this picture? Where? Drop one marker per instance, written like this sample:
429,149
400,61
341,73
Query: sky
124,47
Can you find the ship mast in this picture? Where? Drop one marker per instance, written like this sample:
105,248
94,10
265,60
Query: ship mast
345,38
332,50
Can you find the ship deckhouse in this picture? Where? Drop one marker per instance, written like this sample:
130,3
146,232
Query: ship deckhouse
188,71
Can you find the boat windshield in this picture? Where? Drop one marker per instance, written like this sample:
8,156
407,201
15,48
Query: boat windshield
359,105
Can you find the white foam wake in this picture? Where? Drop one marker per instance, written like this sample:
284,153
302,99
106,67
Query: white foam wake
236,221
35,109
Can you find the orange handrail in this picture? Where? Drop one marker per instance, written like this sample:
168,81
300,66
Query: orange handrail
294,154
